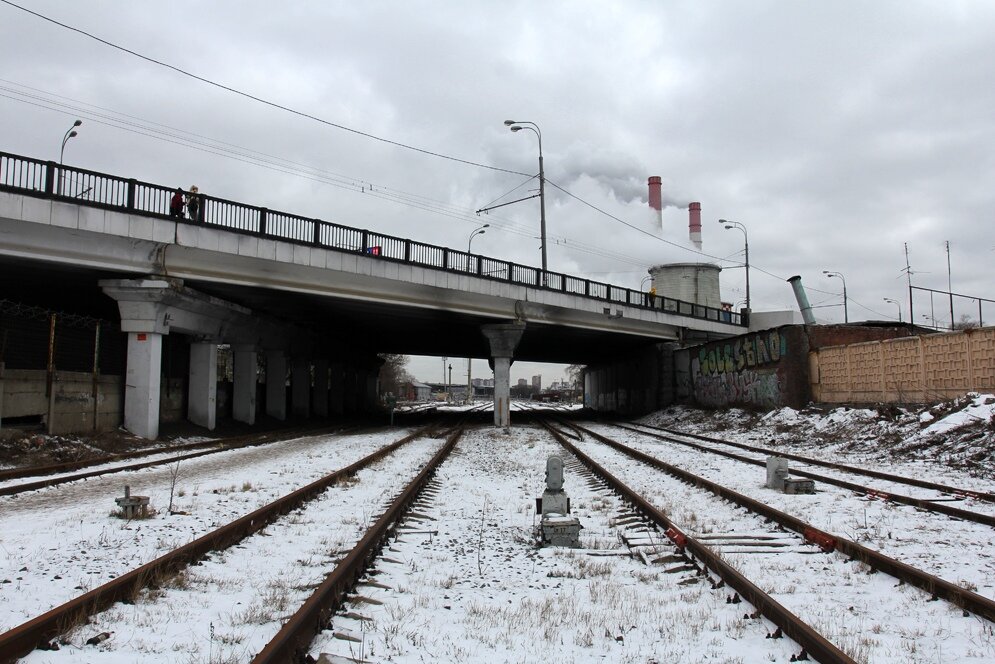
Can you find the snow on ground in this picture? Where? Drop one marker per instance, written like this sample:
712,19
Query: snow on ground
59,542
466,582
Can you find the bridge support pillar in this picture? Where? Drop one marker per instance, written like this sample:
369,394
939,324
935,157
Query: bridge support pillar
503,339
351,390
203,384
336,388
319,394
300,387
276,384
142,384
244,390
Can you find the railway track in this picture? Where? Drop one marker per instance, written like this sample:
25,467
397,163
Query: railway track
44,473
728,539
40,631
881,493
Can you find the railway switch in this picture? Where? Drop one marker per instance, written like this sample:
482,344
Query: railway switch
132,506
777,478
558,528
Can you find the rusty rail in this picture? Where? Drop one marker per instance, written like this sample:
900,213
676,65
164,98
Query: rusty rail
928,505
937,587
292,642
911,481
791,625
39,631
219,445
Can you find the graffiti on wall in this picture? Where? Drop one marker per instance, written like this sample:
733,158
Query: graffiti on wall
761,389
740,371
747,352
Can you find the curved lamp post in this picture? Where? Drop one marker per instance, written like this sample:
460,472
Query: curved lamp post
846,317
517,125
70,133
897,304
475,233
746,263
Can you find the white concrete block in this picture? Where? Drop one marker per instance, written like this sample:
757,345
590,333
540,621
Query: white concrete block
11,206
228,243
302,254
36,210
248,245
318,257
333,260
163,231
116,223
140,228
92,219
349,263
284,252
267,249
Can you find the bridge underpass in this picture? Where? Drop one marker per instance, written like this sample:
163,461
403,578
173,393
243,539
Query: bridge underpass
309,304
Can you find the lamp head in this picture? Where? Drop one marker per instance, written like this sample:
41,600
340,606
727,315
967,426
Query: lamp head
73,133
728,227
486,226
826,272
723,221
508,123
77,123
516,128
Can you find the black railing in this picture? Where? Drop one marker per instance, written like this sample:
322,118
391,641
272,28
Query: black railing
47,179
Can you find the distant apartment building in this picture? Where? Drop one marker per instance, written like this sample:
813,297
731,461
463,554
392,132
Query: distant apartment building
522,382
537,383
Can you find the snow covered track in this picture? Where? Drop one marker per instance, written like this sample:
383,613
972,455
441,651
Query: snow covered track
293,641
812,642
910,481
163,456
39,631
919,503
895,611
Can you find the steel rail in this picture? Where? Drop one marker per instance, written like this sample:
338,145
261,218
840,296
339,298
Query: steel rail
911,481
39,631
791,625
937,587
232,442
15,489
292,642
920,503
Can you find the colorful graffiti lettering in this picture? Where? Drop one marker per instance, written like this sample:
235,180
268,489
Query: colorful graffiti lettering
762,389
744,353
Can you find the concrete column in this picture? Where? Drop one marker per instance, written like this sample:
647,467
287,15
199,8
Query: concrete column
203,392
336,388
503,339
276,384
142,384
300,387
244,390
319,393
350,393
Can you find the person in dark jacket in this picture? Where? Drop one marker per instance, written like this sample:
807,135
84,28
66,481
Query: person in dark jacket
193,202
176,204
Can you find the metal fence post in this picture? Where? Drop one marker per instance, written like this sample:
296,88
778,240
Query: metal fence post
132,186
317,231
50,169
262,221
366,241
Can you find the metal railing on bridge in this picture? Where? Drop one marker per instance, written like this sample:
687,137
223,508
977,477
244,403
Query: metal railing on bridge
47,179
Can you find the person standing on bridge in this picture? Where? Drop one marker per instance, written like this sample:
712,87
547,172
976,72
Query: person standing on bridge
193,202
176,203
652,295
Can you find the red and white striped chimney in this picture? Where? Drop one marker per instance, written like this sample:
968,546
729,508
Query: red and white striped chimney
656,198
694,224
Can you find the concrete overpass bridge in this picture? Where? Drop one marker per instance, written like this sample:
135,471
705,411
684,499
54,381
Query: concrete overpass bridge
305,292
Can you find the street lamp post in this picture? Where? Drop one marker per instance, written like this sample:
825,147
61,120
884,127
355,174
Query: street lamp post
475,233
70,133
746,247
846,317
897,304
516,125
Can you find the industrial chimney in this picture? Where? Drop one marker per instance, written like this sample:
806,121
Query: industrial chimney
694,224
656,198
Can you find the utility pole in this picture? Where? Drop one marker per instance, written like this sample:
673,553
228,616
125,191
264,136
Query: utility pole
950,287
908,276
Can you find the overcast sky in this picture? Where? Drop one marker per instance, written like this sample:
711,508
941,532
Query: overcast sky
836,132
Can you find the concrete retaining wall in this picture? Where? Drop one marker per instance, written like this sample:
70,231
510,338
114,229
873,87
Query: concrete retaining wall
921,369
72,410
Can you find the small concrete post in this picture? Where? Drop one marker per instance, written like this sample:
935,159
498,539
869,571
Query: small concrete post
203,381
777,472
